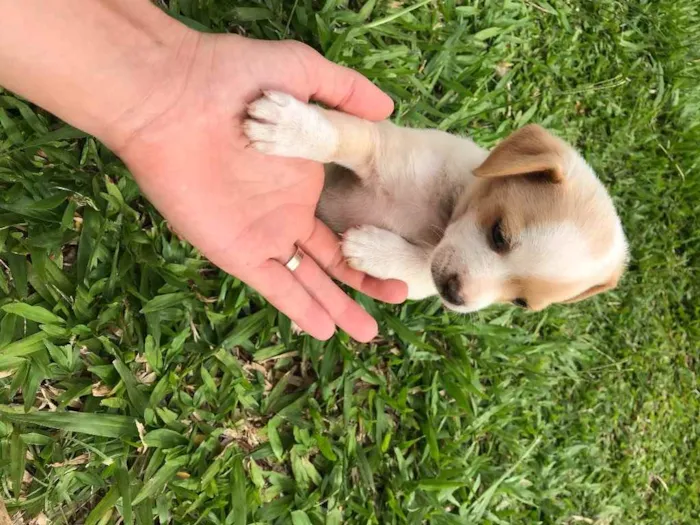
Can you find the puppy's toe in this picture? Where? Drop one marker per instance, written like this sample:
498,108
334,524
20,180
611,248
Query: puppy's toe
270,107
279,98
258,131
261,136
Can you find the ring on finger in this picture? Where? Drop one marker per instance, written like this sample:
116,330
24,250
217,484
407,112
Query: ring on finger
295,261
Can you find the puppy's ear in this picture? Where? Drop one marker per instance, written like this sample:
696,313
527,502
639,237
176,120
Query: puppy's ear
530,151
594,290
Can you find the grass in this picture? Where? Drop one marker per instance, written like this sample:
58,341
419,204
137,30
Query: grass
139,384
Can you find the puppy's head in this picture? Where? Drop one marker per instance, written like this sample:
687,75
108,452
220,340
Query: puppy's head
536,228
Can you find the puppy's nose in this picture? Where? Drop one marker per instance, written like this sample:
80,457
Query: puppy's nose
450,289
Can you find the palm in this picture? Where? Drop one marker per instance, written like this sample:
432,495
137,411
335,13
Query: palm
273,199
243,210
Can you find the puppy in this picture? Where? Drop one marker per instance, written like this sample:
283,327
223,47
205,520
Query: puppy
527,223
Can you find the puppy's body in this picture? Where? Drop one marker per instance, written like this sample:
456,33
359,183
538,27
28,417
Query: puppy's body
411,190
528,222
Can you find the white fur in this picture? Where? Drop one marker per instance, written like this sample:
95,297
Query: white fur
561,252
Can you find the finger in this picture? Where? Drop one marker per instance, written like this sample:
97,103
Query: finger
342,88
324,247
344,312
280,287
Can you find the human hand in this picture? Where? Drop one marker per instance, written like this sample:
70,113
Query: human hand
243,210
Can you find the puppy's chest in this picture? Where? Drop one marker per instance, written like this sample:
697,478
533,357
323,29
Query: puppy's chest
417,212
414,217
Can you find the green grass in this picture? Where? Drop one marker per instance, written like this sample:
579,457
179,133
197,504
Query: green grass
140,384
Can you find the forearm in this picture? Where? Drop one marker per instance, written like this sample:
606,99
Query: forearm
92,63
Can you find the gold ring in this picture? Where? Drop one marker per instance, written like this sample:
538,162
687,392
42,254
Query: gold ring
295,261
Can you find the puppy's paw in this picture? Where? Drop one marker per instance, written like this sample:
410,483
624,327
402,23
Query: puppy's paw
373,250
279,124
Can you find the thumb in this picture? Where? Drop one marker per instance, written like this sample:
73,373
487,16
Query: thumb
342,88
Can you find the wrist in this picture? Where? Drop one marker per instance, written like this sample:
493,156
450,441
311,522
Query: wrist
92,63
154,53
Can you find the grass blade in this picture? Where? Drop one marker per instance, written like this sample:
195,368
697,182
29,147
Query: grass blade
138,399
239,508
106,425
38,314
161,478
124,487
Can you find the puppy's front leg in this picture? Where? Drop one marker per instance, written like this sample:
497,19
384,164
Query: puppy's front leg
385,255
281,125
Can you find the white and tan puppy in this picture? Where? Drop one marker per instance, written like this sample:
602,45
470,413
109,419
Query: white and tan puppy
527,223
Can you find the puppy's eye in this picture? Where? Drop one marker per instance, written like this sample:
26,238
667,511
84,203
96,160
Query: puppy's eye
498,239
522,303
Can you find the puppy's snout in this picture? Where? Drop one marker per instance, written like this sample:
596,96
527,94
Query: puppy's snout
451,289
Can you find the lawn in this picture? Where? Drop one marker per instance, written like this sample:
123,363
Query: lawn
138,384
